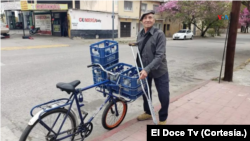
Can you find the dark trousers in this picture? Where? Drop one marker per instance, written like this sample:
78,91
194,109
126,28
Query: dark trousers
162,86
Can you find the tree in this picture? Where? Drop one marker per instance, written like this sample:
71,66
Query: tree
191,12
218,25
247,5
245,19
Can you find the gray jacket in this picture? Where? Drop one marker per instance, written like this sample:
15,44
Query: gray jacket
154,53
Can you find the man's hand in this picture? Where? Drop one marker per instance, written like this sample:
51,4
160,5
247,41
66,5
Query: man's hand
143,74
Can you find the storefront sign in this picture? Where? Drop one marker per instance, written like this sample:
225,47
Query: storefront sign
11,6
44,6
44,22
92,20
24,5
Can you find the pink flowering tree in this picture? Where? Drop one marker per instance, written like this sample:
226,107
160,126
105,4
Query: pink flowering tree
245,4
244,19
191,12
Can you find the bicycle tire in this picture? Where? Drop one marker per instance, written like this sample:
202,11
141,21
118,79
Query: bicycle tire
106,111
29,128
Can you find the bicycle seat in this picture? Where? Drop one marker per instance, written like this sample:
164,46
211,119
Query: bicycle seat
68,87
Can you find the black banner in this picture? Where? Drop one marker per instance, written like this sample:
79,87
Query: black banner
163,132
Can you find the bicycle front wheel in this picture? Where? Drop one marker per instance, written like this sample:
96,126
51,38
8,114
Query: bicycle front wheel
110,118
53,119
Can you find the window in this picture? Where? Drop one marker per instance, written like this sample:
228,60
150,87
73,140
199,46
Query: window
155,7
184,26
168,27
143,7
128,5
77,4
182,31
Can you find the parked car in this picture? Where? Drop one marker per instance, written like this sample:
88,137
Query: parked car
183,34
4,28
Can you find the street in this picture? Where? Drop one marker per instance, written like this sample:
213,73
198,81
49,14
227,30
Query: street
29,76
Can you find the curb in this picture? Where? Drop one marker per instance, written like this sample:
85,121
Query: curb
157,107
241,66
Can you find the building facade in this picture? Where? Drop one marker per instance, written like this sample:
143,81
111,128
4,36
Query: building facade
93,19
129,14
49,16
88,19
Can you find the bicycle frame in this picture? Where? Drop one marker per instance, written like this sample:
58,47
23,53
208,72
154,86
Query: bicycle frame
69,103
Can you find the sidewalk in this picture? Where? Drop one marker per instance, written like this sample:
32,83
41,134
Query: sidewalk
209,103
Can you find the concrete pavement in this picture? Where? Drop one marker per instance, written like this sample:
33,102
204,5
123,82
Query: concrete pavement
210,103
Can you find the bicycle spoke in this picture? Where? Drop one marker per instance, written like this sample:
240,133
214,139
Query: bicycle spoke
40,132
111,117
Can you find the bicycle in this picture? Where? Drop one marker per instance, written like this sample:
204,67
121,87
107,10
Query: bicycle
115,96
57,107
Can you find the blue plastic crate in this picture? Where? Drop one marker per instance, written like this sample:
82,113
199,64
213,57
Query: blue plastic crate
104,48
133,91
98,72
130,93
104,52
98,79
104,61
132,97
130,84
130,78
118,68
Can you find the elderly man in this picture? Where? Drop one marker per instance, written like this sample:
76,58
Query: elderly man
152,47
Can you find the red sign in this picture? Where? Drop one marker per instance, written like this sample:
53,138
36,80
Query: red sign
89,20
47,6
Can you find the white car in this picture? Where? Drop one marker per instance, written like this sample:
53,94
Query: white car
4,28
183,34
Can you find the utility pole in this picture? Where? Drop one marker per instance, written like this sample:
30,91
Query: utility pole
232,36
113,16
139,18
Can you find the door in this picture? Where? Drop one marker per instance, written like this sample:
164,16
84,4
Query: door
184,26
56,25
125,29
164,29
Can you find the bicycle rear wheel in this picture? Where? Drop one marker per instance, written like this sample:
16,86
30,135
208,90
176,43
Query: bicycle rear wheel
37,131
109,118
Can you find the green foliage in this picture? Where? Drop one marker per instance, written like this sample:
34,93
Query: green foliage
211,32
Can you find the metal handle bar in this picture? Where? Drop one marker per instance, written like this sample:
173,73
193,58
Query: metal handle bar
98,65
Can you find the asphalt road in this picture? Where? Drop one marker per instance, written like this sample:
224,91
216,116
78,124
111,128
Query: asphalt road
29,76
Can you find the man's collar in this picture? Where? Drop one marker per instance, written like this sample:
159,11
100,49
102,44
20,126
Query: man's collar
151,31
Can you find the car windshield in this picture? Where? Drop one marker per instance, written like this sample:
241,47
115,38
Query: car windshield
182,31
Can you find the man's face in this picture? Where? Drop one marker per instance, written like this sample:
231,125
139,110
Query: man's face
148,20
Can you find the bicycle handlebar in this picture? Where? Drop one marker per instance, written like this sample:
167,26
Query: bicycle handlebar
98,65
